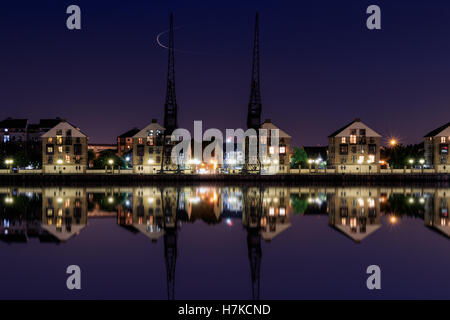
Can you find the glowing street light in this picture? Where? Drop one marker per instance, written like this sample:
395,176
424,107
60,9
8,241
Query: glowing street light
393,142
9,163
411,162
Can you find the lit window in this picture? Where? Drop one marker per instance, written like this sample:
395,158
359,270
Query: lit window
343,140
352,139
282,211
443,139
283,150
140,141
60,149
67,158
271,150
271,211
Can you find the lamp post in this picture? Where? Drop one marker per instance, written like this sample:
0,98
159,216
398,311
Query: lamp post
422,162
111,163
411,162
9,163
310,161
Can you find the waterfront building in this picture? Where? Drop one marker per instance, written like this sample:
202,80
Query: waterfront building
13,130
148,148
125,141
355,148
283,150
64,150
436,148
35,131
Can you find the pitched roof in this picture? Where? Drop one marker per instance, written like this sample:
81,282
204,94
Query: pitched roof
268,125
355,123
64,126
14,123
129,133
435,132
154,125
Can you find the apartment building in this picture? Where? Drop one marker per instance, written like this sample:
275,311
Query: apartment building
270,164
355,148
148,148
436,148
64,150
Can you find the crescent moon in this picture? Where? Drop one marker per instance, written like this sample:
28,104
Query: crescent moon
159,42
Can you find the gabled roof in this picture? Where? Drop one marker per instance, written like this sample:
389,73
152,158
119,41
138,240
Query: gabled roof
356,124
129,133
268,125
64,126
154,125
14,123
435,132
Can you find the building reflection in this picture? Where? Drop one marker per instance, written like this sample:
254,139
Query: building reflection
64,212
266,214
436,213
355,212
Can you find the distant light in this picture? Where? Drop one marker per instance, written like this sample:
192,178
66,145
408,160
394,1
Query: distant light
59,161
151,161
393,142
111,161
229,222
422,200
421,161
110,199
411,161
127,158
411,200
393,220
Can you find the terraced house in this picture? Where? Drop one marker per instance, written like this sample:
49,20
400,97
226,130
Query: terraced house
64,150
354,148
436,148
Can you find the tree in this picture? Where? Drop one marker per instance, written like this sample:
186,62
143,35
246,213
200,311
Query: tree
399,155
103,158
299,158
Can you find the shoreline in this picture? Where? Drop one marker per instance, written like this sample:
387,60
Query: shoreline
284,179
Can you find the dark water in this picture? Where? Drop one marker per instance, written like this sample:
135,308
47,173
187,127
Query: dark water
224,242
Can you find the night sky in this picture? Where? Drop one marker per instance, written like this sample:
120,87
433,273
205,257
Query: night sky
320,66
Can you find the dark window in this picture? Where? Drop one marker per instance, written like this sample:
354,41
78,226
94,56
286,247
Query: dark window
50,159
353,149
150,150
77,149
67,149
140,150
69,140
372,148
362,132
343,148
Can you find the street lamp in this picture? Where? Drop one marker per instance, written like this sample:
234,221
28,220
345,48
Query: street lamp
9,163
411,162
422,162
393,142
111,163
310,161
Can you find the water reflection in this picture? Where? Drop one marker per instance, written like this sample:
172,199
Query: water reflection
56,215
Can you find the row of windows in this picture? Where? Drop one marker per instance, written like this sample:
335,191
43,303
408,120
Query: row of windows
77,149
353,139
371,149
66,159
